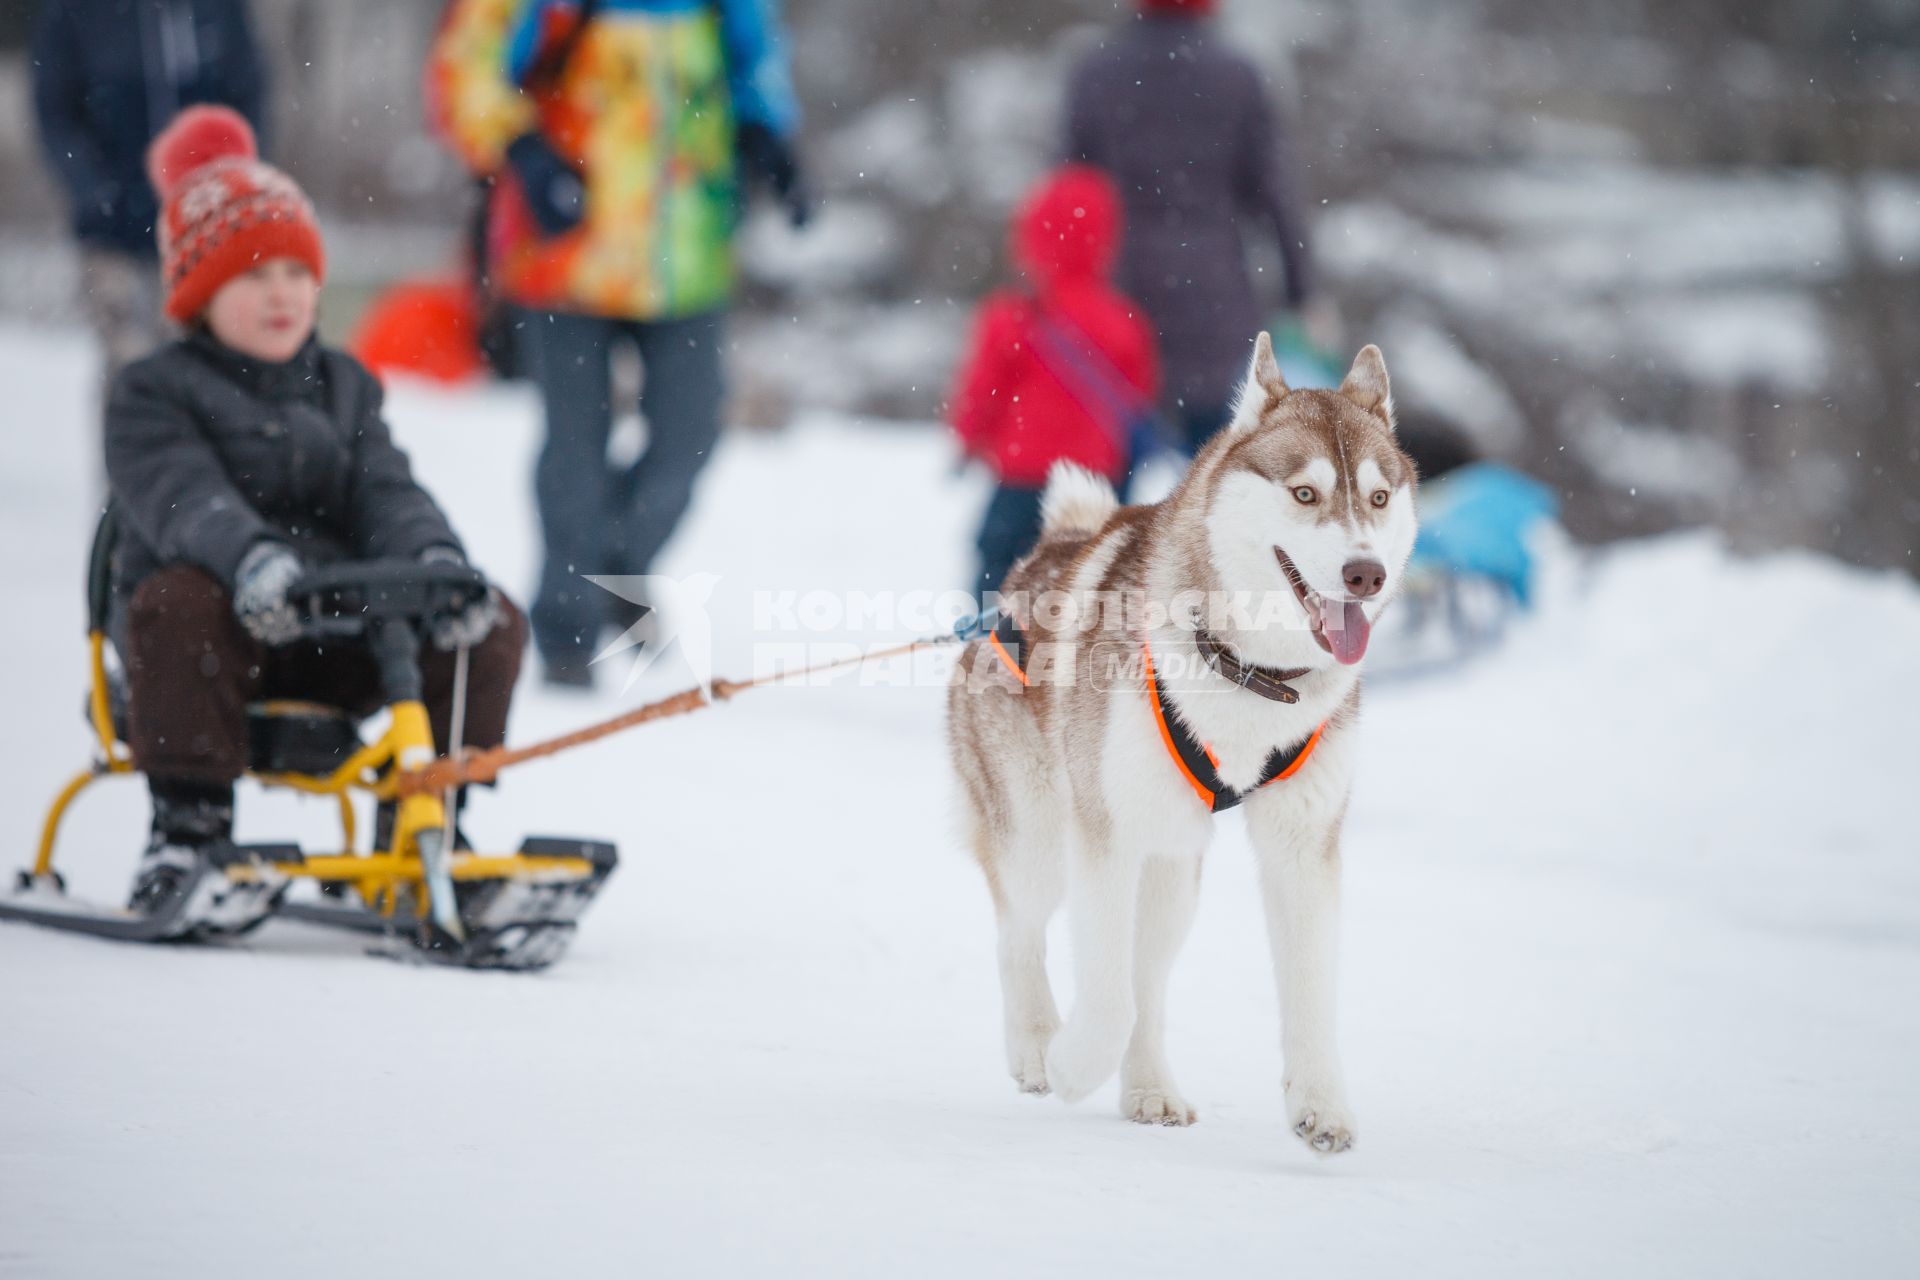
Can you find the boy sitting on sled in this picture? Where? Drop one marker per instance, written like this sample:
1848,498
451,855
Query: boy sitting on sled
237,457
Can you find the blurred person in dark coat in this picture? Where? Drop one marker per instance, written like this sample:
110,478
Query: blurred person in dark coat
107,77
1185,127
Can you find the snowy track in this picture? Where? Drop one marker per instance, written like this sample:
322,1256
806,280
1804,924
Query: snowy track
1631,966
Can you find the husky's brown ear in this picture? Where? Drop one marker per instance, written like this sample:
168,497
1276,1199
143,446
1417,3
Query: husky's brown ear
1366,383
1264,387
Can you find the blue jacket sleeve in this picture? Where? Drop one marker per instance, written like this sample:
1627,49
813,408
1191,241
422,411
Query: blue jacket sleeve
59,100
527,35
758,73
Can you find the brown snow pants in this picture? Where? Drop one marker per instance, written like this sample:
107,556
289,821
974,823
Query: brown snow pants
192,669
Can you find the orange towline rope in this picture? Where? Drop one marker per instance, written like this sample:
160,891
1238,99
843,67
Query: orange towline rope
485,765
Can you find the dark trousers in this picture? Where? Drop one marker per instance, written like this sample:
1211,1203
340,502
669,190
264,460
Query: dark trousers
596,518
192,669
1012,523
1007,532
1011,527
1198,423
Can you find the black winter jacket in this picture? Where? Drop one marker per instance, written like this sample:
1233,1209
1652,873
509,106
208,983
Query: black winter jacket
109,74
208,452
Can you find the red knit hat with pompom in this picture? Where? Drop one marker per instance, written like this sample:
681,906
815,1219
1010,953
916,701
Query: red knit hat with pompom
223,210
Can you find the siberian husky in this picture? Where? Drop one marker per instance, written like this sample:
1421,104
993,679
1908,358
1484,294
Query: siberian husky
1154,665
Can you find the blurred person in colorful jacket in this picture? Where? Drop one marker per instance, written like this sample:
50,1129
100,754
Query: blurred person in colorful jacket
1060,370
619,134
107,77
1185,127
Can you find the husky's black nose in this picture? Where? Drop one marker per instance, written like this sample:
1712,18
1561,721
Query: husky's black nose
1364,578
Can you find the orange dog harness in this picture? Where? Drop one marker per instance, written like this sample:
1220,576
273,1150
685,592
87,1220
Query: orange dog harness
1192,757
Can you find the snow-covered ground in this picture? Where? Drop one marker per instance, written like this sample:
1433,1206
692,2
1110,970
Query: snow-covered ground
1631,968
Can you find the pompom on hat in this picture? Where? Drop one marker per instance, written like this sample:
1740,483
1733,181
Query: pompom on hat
222,210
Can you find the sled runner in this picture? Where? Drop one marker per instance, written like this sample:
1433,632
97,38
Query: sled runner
445,904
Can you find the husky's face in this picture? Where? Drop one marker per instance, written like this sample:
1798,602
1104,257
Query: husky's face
1313,501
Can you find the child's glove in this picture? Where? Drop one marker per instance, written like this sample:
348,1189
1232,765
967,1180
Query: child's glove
767,157
260,585
556,197
472,624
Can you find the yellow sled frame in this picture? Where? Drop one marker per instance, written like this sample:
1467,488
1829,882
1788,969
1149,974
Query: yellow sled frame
380,874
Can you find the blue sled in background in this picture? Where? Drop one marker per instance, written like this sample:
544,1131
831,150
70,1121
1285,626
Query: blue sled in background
1475,520
1472,571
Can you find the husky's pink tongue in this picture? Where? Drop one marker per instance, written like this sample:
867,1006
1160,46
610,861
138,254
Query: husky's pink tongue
1345,627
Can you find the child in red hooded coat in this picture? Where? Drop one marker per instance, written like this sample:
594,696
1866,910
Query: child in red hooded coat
1061,370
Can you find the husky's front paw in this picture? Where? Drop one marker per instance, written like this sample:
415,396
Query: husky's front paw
1320,1117
1083,1057
1027,1060
1150,1104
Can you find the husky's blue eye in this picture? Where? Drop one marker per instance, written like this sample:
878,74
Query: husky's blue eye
1380,497
1305,495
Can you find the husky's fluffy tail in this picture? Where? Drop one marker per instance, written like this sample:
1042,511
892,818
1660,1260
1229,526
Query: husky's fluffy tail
1075,501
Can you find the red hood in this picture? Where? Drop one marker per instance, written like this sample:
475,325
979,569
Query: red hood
1068,228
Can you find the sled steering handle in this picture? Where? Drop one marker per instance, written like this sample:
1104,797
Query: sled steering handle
396,651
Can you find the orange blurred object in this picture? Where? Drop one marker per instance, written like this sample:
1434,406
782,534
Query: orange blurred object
425,327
